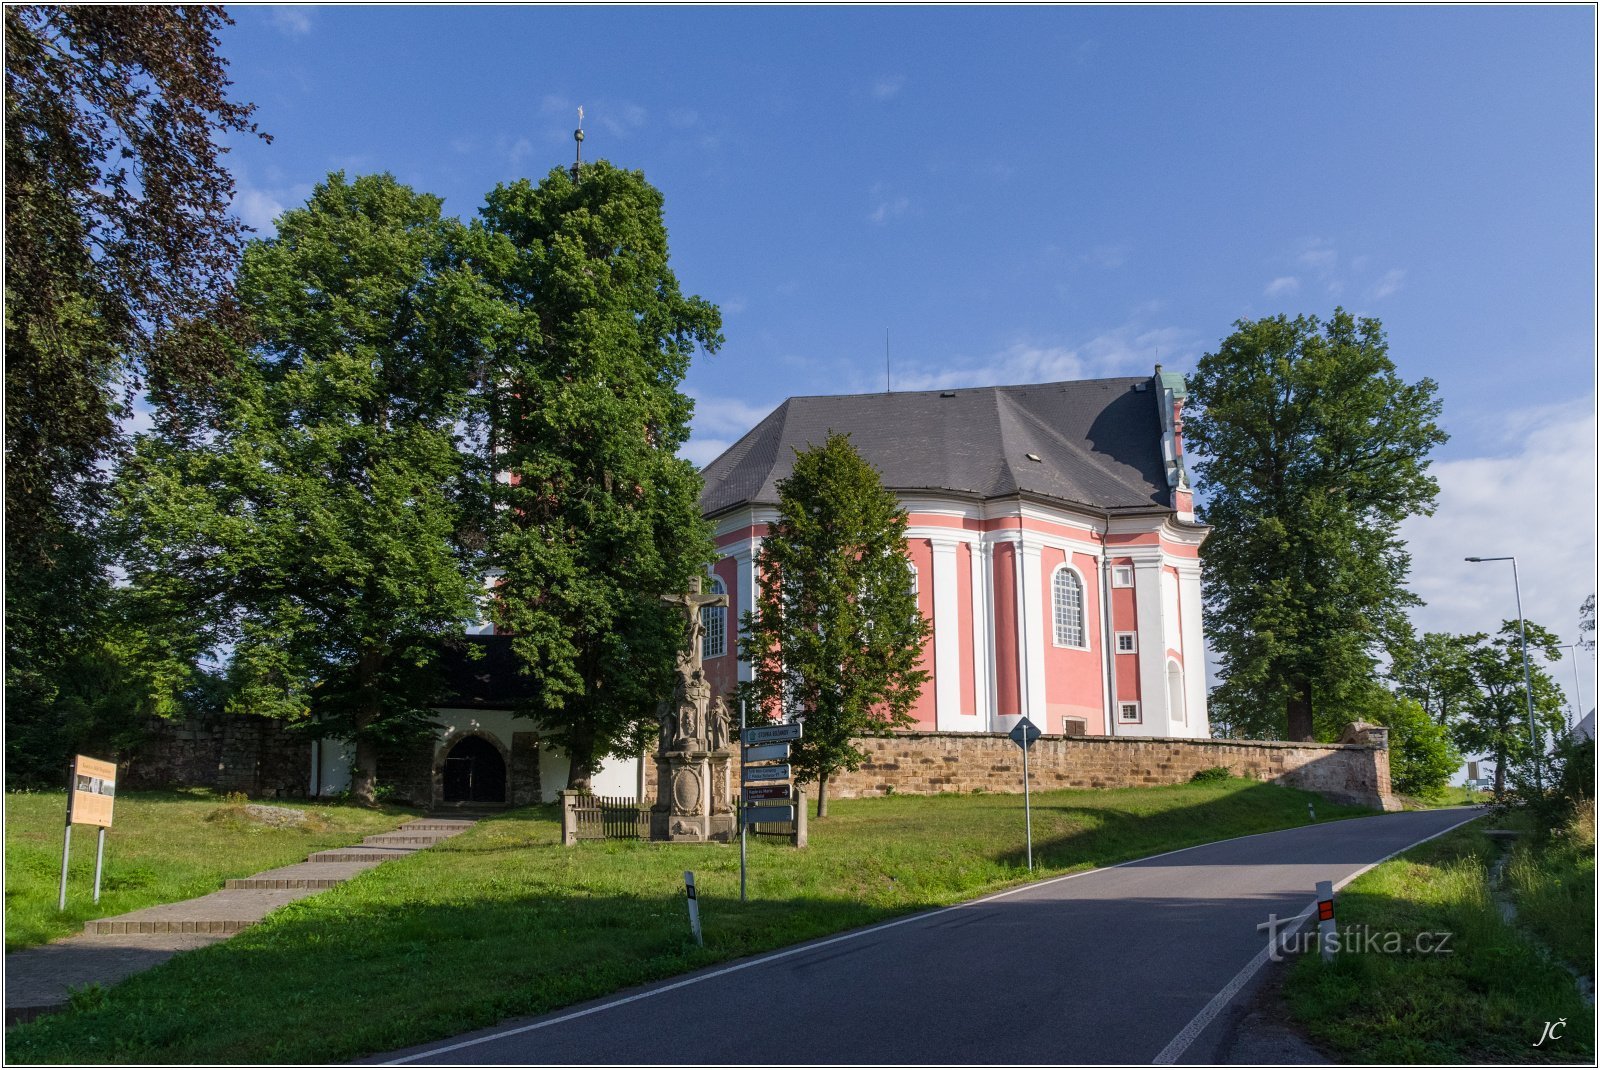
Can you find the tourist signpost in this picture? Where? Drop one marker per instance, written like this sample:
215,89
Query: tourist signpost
1023,736
89,798
766,794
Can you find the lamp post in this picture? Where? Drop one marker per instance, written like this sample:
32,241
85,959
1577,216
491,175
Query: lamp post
1527,673
1577,688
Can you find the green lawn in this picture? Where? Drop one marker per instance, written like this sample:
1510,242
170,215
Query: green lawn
163,846
1487,1001
503,921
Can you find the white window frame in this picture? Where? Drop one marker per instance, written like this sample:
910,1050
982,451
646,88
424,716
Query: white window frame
714,619
915,588
1122,713
1117,574
1083,609
1133,642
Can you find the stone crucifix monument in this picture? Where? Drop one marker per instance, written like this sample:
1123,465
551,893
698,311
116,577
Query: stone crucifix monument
692,760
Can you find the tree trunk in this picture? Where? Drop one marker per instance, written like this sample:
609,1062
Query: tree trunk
580,761
822,796
364,777
1500,773
1301,727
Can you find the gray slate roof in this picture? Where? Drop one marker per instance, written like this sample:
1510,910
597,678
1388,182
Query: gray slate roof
1098,440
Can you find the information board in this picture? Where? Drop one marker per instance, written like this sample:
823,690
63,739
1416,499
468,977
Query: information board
94,788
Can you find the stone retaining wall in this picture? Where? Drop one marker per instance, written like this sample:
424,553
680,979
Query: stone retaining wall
927,763
228,752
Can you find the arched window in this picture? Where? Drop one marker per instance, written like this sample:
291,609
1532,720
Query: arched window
714,619
1066,589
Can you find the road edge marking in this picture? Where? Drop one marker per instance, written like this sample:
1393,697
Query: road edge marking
811,945
1197,1025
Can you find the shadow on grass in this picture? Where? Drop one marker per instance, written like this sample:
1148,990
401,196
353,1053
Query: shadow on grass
1068,835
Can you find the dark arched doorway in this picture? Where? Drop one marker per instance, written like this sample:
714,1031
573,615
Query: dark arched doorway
474,772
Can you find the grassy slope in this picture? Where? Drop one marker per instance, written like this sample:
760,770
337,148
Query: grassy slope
1486,1002
160,849
1552,883
501,921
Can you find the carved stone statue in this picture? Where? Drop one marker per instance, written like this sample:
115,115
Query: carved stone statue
692,759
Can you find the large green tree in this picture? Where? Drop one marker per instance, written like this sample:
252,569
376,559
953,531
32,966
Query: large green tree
1494,720
329,531
1435,671
836,639
119,257
598,517
1312,450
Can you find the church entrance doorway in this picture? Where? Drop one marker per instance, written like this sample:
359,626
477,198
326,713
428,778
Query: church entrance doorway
474,772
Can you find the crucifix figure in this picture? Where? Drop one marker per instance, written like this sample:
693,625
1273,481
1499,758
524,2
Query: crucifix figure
693,601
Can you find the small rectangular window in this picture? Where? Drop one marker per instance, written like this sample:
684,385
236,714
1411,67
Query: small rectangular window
1122,576
1129,711
1127,642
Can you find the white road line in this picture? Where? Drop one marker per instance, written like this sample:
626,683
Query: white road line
1197,1025
852,935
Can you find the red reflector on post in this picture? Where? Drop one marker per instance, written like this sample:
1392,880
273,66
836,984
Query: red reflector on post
1325,910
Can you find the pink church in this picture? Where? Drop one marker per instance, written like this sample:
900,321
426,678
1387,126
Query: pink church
1052,537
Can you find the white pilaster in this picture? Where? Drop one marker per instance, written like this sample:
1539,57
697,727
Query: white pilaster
946,636
1194,650
1152,653
980,636
1032,648
745,558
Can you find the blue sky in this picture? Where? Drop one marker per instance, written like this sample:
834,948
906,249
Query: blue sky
1044,193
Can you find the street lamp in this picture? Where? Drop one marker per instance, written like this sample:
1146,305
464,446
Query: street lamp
1577,689
1527,673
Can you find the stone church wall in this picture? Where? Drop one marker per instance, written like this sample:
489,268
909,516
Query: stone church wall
928,763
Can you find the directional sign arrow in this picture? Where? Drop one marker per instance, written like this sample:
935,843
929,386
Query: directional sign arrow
766,793
1025,733
756,815
767,772
766,752
770,733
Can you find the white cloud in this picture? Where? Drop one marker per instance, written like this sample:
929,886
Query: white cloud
888,86
887,205
257,207
1536,502
718,423
1389,283
1107,256
1127,350
294,21
1282,285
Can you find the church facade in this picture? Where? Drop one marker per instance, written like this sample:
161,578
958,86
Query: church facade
1052,541
1054,549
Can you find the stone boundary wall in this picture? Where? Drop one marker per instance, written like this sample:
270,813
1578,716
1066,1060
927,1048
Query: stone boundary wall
228,752
927,763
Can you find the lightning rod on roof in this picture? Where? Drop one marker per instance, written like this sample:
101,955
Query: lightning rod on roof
887,389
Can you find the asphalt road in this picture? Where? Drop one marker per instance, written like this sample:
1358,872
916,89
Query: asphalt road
1131,964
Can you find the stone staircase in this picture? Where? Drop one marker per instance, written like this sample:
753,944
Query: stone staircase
110,949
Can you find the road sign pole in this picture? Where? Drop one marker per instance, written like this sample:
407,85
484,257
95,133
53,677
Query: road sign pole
99,859
66,851
66,843
694,907
1027,804
744,832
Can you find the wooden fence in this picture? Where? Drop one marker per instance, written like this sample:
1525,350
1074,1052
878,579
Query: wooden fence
585,816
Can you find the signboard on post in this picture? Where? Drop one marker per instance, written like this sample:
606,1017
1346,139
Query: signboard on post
773,733
1023,736
759,815
767,752
94,787
767,772
754,793
92,790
